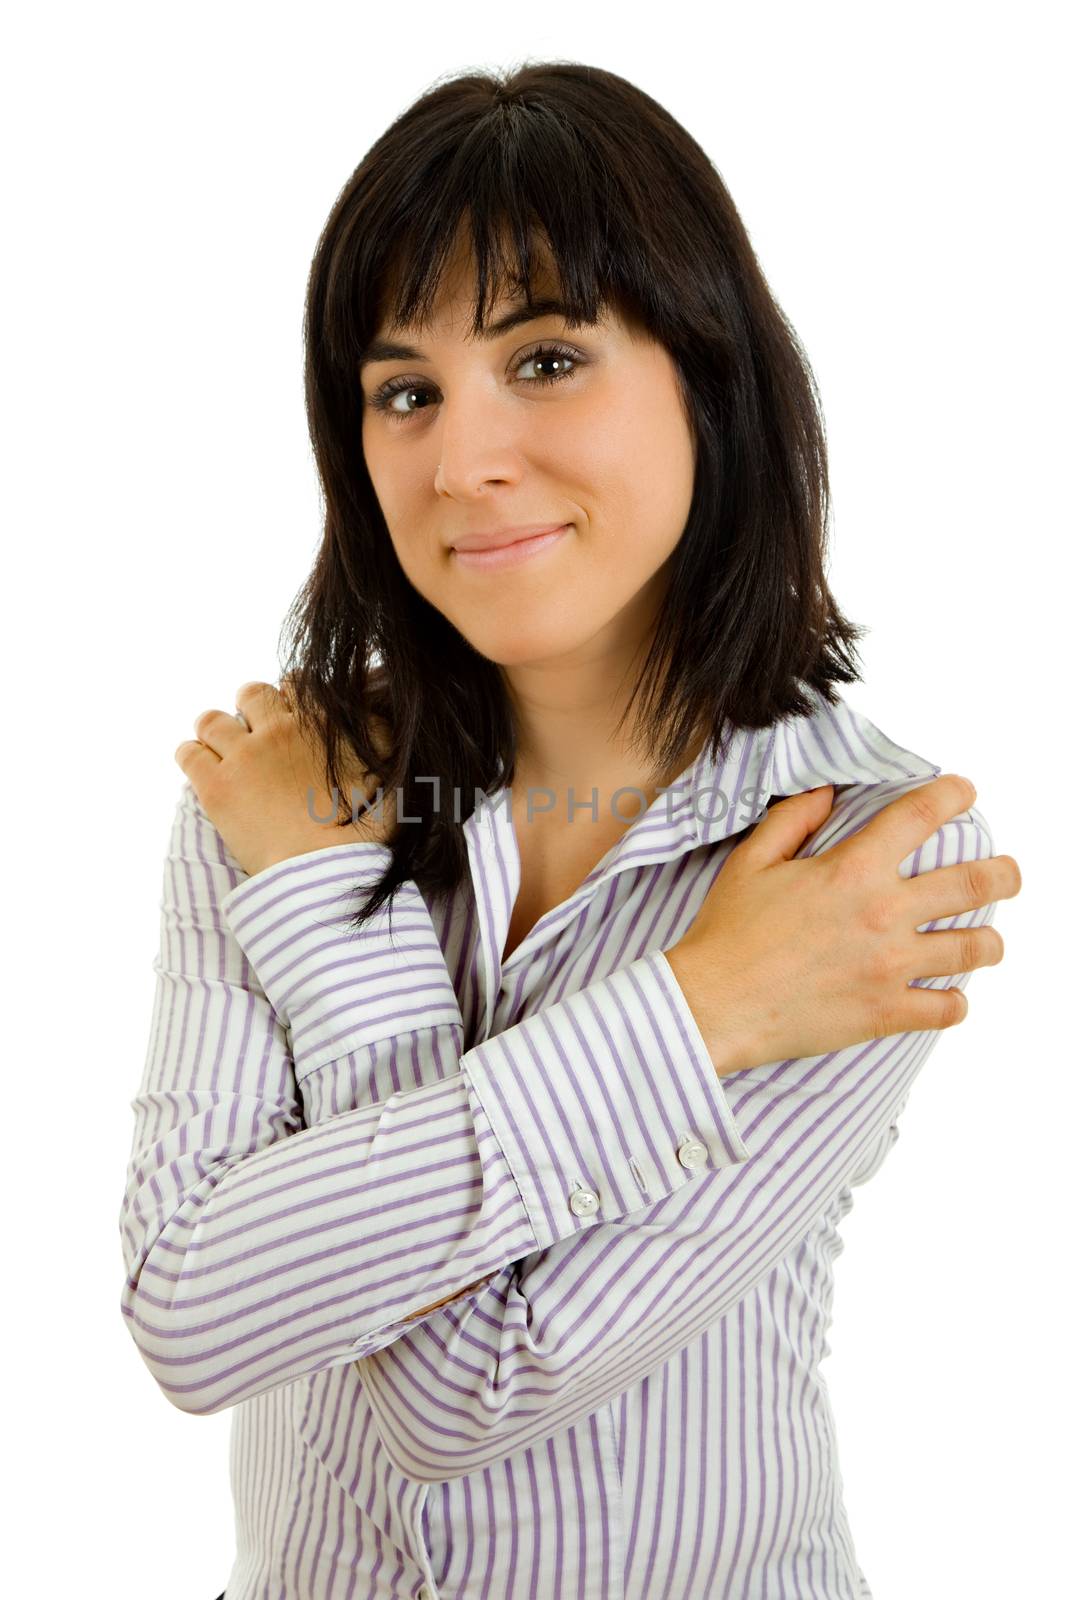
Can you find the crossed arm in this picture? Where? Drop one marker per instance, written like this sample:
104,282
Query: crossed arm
322,1177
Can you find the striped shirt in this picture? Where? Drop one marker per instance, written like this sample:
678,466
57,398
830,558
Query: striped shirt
621,1397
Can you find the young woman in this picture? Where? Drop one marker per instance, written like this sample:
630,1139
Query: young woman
492,1142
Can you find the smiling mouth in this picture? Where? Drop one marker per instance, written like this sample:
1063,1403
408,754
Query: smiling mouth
514,554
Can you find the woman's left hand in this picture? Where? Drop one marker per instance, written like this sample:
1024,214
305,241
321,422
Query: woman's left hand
262,785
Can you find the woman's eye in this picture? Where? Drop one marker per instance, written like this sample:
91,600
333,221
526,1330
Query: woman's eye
551,360
555,362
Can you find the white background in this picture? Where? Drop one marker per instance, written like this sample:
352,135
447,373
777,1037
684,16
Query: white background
167,173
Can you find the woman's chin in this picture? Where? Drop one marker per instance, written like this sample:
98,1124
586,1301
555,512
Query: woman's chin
526,647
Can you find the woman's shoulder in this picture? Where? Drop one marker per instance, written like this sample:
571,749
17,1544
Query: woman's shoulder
840,745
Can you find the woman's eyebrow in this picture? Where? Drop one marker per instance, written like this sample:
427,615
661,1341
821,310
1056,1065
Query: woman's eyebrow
390,350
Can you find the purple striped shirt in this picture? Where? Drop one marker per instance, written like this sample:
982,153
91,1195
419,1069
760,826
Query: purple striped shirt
622,1397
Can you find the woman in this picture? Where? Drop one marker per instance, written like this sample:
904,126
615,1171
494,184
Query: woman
492,1143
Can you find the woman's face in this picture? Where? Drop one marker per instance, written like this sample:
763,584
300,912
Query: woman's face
488,441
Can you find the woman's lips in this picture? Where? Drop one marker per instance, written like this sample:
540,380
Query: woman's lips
511,555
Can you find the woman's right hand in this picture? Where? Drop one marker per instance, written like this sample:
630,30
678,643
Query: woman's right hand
798,957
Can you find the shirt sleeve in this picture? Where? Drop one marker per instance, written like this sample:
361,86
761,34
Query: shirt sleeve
262,1246
551,1338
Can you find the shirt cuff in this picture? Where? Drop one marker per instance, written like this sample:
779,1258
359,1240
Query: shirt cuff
606,1101
334,990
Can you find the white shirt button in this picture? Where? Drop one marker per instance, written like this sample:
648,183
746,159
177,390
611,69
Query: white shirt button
584,1202
691,1153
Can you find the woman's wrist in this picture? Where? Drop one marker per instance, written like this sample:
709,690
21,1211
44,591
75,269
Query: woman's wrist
729,1050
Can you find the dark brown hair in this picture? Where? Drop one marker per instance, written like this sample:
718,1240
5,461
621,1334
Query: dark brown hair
636,217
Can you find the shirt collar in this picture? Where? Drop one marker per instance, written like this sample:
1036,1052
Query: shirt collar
714,798
710,801
835,744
